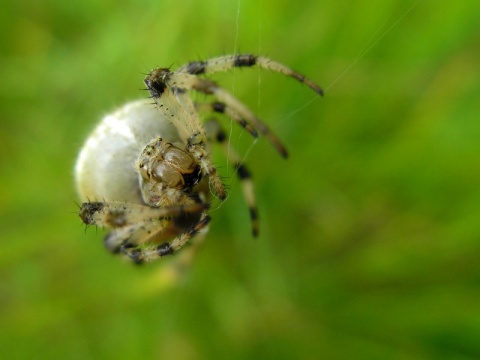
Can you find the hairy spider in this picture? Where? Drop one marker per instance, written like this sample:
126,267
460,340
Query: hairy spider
146,173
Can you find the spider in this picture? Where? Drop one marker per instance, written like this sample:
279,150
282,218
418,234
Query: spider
146,173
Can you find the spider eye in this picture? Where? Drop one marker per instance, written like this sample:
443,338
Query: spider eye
149,150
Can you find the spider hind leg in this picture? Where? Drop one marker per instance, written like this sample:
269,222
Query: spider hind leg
139,255
144,227
217,134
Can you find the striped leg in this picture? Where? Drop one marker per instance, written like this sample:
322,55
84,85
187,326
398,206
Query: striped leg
186,78
222,108
184,81
227,62
119,214
134,225
140,255
215,133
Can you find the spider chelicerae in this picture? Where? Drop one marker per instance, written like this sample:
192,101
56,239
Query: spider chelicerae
146,173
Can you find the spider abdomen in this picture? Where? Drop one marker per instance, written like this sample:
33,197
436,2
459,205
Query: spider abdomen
105,169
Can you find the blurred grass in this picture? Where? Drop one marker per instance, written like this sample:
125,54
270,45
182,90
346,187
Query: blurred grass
369,245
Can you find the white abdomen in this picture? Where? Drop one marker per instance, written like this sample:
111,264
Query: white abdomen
105,168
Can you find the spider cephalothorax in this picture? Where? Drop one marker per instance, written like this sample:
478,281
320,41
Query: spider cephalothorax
167,174
149,170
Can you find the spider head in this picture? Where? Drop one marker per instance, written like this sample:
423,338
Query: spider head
163,166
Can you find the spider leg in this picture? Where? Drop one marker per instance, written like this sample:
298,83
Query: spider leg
175,104
119,214
135,235
159,82
227,62
209,87
167,101
224,96
217,134
150,253
134,225
222,108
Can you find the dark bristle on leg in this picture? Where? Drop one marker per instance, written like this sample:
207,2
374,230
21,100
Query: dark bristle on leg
135,255
195,67
164,249
244,60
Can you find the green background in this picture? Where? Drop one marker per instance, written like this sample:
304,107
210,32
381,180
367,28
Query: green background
370,233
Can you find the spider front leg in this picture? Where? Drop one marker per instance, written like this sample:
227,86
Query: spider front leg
226,62
187,81
187,77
